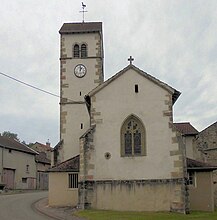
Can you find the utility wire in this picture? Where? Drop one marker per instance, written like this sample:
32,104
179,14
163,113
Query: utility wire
31,86
27,84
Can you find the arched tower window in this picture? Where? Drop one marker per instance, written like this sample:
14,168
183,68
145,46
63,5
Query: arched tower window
76,52
133,137
83,51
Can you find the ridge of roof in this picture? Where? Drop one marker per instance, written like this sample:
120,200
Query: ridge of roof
170,89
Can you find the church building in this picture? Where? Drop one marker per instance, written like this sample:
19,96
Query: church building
118,149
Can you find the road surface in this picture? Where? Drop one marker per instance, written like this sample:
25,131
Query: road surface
19,206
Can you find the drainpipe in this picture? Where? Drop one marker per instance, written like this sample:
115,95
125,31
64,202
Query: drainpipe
2,164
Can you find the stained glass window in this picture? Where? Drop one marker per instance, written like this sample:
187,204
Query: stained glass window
132,137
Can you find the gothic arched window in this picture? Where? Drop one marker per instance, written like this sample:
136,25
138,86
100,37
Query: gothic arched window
83,51
76,52
133,137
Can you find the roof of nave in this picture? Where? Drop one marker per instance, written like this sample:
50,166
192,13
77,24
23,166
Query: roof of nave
12,144
83,27
170,89
70,165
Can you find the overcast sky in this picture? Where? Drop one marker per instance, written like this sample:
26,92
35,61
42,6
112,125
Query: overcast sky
173,40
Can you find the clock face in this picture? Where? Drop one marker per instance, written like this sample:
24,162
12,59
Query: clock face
80,70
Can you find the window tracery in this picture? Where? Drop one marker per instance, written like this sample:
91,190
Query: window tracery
132,137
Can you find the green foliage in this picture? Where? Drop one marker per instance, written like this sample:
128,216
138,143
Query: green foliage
10,135
115,215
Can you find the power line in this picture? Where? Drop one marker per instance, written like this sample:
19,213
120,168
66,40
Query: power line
29,85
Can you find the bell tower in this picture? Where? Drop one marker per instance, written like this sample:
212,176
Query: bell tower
81,70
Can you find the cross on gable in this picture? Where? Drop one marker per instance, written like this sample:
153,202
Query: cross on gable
131,59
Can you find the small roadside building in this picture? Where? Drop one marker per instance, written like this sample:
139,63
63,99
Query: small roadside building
17,164
65,176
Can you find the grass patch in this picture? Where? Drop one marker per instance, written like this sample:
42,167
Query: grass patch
115,215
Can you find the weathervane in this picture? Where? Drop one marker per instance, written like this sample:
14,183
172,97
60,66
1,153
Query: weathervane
83,11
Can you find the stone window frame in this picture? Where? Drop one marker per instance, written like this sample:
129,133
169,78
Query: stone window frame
80,50
133,118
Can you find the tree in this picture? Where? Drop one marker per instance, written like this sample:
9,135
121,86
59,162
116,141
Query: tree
10,135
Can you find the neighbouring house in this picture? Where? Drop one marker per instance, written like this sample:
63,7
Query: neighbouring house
206,145
201,185
43,163
201,175
17,164
206,142
118,148
189,132
46,148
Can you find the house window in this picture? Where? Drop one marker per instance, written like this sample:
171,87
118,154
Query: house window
24,180
191,178
76,52
133,137
83,51
73,180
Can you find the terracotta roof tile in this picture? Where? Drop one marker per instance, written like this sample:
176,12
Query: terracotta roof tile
186,128
71,165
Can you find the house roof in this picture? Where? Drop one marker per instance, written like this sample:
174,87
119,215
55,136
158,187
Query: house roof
186,128
198,165
44,146
10,143
174,92
71,165
42,158
84,27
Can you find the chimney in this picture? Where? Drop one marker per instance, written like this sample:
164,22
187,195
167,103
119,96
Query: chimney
48,143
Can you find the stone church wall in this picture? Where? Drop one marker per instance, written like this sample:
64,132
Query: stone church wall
135,195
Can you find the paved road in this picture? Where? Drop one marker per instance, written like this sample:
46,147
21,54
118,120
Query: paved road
19,206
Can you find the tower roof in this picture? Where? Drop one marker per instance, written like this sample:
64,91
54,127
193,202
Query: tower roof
83,27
